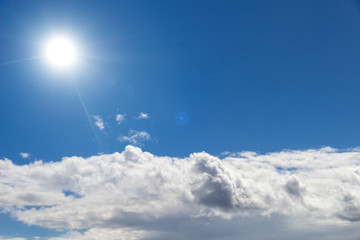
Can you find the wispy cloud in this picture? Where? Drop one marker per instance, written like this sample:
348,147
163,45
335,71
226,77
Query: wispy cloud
17,238
99,122
120,118
105,233
24,155
142,116
111,193
135,137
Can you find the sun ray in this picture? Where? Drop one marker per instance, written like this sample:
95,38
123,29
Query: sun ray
96,58
88,117
20,60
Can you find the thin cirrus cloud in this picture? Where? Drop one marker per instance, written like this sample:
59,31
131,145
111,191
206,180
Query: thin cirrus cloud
24,155
142,116
17,238
137,195
120,118
135,137
99,122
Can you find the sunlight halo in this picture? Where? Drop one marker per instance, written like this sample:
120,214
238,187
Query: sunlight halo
61,52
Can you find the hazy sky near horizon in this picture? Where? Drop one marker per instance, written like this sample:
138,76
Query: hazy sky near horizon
181,120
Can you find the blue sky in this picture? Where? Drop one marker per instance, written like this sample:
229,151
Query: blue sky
176,78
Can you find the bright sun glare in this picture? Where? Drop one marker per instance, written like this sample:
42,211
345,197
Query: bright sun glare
61,52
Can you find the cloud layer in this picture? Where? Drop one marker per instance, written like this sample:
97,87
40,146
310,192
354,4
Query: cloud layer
133,191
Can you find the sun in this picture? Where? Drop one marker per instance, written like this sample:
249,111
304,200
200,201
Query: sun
61,52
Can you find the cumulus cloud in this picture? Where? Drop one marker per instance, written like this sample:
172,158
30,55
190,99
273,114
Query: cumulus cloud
99,122
135,137
24,155
120,118
137,194
142,116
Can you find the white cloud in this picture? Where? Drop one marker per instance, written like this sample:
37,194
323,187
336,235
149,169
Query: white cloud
99,122
142,116
135,137
136,195
104,233
120,118
24,155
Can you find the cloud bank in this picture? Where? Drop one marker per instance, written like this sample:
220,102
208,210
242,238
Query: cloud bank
138,195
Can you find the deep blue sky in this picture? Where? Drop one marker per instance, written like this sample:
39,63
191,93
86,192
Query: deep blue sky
252,75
